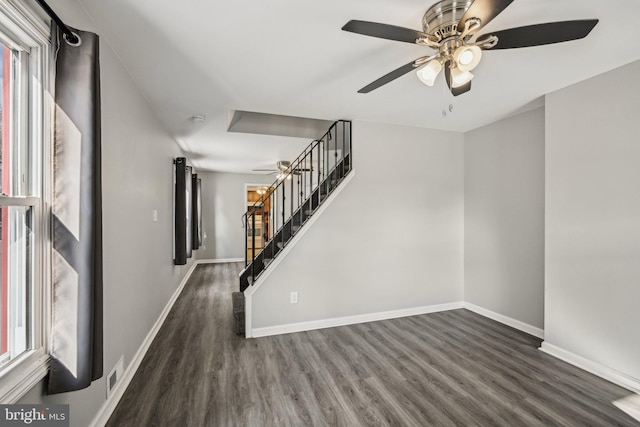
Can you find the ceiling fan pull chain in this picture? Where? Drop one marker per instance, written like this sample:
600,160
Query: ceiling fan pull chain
445,90
444,112
450,95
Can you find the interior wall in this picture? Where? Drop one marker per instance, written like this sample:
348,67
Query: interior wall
223,207
139,275
504,217
391,240
592,251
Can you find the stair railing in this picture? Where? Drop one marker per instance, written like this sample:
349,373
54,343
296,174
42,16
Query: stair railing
296,193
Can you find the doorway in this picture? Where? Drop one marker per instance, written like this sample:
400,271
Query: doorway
258,208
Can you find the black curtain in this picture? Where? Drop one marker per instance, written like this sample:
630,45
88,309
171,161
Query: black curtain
181,211
196,211
77,353
188,183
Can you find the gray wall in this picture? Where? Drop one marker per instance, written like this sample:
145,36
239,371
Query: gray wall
139,275
222,209
504,217
392,240
592,215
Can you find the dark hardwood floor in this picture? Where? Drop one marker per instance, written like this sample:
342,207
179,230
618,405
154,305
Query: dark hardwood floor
443,369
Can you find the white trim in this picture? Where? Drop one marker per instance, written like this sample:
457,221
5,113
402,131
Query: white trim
595,368
109,405
246,191
630,405
248,308
30,369
18,201
517,324
24,22
248,293
24,30
219,261
352,320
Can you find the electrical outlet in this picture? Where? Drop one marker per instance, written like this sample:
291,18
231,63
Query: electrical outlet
293,297
154,215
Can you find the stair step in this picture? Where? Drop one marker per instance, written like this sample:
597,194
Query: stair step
238,312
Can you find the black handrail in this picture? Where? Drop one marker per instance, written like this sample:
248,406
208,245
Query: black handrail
295,163
288,211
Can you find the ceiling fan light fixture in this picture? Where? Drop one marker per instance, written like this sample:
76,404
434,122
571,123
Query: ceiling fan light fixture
283,176
429,72
459,77
467,57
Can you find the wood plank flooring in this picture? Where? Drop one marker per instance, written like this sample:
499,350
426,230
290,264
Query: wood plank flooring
453,368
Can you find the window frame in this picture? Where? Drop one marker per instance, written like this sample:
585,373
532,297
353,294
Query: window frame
26,30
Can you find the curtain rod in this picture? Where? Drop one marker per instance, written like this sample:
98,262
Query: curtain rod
71,38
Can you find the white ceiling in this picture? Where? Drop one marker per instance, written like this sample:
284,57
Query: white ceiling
291,58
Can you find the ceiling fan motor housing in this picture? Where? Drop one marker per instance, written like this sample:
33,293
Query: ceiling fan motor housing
283,165
441,20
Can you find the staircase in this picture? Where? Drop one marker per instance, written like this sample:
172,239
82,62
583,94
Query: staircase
293,198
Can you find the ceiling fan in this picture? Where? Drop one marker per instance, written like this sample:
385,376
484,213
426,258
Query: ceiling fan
282,169
450,28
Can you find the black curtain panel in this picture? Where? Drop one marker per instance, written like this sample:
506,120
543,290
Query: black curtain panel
180,225
76,342
196,213
188,183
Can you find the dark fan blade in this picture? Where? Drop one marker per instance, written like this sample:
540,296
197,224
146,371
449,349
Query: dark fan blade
455,90
461,89
486,10
388,77
384,31
447,73
541,34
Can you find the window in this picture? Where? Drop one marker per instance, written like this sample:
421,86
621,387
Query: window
24,168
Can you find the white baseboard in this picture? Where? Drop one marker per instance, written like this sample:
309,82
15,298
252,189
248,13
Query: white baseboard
595,368
351,320
630,405
107,408
220,261
516,324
